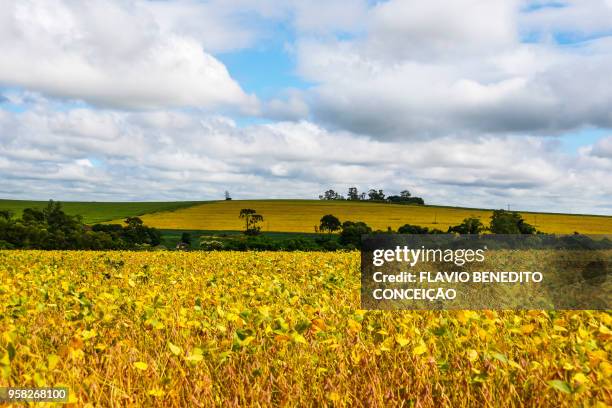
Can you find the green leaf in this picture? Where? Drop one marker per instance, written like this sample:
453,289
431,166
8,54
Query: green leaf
562,386
500,357
11,351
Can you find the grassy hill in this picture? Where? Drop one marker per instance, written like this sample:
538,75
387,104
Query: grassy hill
303,215
94,212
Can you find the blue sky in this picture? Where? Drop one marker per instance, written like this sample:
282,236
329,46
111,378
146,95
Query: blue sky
466,103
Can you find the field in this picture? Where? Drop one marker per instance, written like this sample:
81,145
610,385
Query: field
261,328
303,215
94,212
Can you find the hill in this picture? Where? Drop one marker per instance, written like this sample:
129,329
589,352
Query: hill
303,215
94,212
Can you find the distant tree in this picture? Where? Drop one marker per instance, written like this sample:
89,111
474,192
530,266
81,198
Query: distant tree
468,226
352,232
376,195
330,195
506,222
227,196
329,223
353,194
251,219
405,194
362,196
412,229
133,222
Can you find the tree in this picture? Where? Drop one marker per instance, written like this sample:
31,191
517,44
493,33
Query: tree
6,214
133,222
227,196
506,222
412,229
352,232
468,226
353,194
376,195
331,195
405,194
329,223
251,219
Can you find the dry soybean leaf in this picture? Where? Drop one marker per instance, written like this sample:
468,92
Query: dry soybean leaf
472,355
176,350
141,365
420,349
402,341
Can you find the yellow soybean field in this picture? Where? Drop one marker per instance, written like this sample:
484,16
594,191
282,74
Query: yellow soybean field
304,215
275,328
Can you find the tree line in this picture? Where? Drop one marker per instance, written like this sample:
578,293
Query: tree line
353,194
52,228
350,232
502,222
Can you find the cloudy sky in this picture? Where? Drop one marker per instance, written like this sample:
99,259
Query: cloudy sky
464,102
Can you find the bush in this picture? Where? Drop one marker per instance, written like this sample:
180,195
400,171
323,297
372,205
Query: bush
468,226
352,232
412,229
505,222
212,245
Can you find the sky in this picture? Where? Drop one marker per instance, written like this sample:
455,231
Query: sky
473,103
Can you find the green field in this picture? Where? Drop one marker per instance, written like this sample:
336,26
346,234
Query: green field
94,212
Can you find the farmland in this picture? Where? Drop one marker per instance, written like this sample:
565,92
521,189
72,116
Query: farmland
303,215
94,212
225,328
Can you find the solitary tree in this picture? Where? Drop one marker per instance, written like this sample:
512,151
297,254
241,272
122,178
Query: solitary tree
227,196
329,223
251,219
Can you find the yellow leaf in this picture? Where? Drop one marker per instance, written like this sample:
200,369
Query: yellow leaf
606,368
402,341
580,378
420,349
568,366
333,396
194,358
141,365
176,350
472,355
157,392
52,361
298,338
527,328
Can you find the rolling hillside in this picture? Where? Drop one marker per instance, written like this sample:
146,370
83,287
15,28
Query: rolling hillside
303,215
94,212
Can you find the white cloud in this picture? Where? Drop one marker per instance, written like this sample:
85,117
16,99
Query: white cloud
171,155
435,68
602,149
110,53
